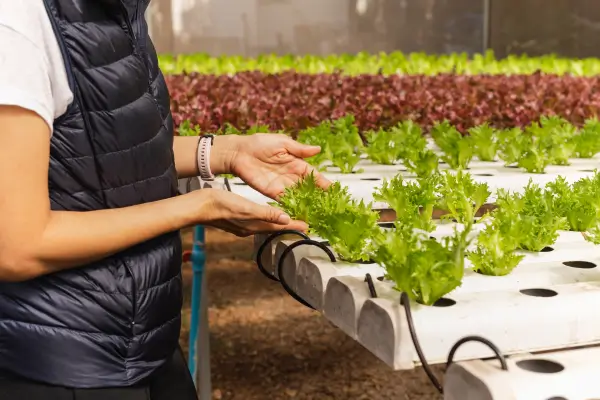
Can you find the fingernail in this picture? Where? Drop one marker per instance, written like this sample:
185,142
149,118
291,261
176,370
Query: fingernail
284,219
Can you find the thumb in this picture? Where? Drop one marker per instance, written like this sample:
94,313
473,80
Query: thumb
302,150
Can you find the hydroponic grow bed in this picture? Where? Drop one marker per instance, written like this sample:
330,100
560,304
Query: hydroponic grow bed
546,303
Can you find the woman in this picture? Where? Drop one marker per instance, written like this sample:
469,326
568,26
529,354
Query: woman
90,251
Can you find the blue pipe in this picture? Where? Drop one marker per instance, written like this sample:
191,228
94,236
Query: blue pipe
198,259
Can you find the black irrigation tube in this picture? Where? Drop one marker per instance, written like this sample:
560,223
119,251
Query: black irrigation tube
264,245
288,250
371,285
405,302
499,356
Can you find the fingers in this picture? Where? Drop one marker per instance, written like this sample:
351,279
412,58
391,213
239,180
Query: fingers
256,227
251,211
301,150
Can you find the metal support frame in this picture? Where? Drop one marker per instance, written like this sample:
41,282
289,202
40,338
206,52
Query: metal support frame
487,4
199,343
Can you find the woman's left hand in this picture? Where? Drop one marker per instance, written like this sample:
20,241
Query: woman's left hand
271,162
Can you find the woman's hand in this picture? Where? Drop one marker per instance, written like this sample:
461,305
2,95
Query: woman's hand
271,162
232,213
268,163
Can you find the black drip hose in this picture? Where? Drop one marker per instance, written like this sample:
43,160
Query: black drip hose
287,251
268,241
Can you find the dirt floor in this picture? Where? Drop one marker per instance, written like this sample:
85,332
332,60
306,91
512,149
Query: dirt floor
267,346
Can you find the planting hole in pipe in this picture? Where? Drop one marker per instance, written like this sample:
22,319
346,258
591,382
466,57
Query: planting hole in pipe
370,179
240,183
547,249
580,264
486,174
538,292
444,302
557,398
387,225
540,365
586,170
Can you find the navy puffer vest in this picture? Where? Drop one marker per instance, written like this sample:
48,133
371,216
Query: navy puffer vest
111,323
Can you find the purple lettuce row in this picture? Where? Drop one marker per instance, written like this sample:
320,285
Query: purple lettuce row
292,101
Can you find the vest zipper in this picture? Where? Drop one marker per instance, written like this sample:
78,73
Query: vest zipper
133,38
133,296
137,36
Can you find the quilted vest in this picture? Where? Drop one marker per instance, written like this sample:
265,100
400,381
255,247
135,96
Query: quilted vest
111,323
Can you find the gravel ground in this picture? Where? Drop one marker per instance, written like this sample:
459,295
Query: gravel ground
264,345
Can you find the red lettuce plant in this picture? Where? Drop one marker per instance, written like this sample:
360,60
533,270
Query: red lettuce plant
291,101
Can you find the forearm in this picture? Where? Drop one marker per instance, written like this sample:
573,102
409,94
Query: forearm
222,152
72,239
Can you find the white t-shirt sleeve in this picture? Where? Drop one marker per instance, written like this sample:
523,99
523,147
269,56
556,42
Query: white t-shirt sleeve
32,70
24,75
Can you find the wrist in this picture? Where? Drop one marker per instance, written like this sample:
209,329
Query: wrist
223,153
198,207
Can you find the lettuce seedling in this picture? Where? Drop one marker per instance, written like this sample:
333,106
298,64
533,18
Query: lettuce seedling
348,225
413,151
534,157
317,136
461,196
229,129
578,203
299,201
457,149
422,163
424,268
495,253
187,129
409,138
548,142
587,141
510,146
387,147
558,139
382,147
485,142
593,234
413,202
345,145
533,211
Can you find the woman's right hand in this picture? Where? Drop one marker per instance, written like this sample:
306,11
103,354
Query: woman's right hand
235,214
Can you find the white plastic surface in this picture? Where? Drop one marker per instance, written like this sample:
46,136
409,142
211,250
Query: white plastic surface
488,306
495,174
513,321
560,375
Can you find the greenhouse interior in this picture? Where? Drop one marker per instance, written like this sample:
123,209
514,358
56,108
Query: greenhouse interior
387,200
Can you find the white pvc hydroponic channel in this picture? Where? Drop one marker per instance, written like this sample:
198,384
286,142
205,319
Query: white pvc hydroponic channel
548,303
